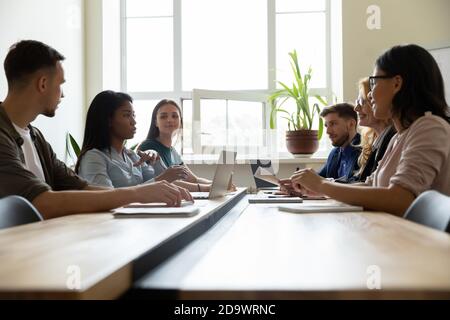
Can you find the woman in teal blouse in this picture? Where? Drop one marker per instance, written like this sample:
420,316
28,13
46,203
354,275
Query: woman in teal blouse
166,122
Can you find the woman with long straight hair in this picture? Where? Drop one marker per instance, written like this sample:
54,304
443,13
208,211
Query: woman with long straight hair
104,160
407,87
166,123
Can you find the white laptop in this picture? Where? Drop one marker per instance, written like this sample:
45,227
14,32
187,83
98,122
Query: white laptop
224,170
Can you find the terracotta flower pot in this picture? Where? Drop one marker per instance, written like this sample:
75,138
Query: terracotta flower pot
302,141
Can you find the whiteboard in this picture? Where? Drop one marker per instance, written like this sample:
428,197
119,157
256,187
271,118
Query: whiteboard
442,56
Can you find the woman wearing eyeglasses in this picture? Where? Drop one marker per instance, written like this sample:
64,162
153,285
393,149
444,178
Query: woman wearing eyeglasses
407,87
375,134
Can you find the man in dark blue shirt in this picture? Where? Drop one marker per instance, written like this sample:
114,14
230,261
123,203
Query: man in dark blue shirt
341,122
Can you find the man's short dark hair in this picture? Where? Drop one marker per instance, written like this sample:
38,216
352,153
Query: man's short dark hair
26,57
344,110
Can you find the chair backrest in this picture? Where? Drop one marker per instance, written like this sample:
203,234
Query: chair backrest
15,210
432,209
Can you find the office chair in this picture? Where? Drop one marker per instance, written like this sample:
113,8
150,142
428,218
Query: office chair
432,209
15,210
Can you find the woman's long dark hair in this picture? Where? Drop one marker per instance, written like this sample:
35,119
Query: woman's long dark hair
422,88
153,132
97,130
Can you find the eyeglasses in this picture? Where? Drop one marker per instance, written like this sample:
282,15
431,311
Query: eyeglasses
360,102
373,80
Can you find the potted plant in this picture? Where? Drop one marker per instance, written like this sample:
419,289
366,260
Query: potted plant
72,149
300,138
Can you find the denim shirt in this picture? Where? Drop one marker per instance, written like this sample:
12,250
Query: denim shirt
342,163
346,160
110,169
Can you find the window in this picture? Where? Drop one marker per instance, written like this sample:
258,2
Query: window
295,21
223,39
149,46
225,118
219,60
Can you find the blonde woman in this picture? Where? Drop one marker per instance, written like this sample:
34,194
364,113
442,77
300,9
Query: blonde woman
375,137
375,134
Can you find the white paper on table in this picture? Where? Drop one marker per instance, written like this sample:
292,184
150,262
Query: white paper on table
320,207
146,210
155,204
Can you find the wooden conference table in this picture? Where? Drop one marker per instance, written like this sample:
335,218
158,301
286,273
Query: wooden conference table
231,249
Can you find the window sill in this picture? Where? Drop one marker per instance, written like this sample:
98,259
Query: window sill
285,158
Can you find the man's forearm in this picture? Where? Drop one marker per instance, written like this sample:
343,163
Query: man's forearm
91,187
53,204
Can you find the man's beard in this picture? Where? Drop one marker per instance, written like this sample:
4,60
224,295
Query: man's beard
341,141
49,112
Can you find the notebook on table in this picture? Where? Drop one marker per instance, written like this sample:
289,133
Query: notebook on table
156,210
320,207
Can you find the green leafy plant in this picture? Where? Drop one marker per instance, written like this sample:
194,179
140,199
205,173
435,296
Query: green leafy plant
303,117
72,146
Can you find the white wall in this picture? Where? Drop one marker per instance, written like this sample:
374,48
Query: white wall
425,23
60,24
94,52
102,47
442,56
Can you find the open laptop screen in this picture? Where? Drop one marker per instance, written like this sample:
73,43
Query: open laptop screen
267,165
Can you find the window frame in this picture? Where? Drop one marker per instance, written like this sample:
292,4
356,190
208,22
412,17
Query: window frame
196,94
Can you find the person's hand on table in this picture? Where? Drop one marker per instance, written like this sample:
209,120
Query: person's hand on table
286,187
173,173
165,192
190,177
307,181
